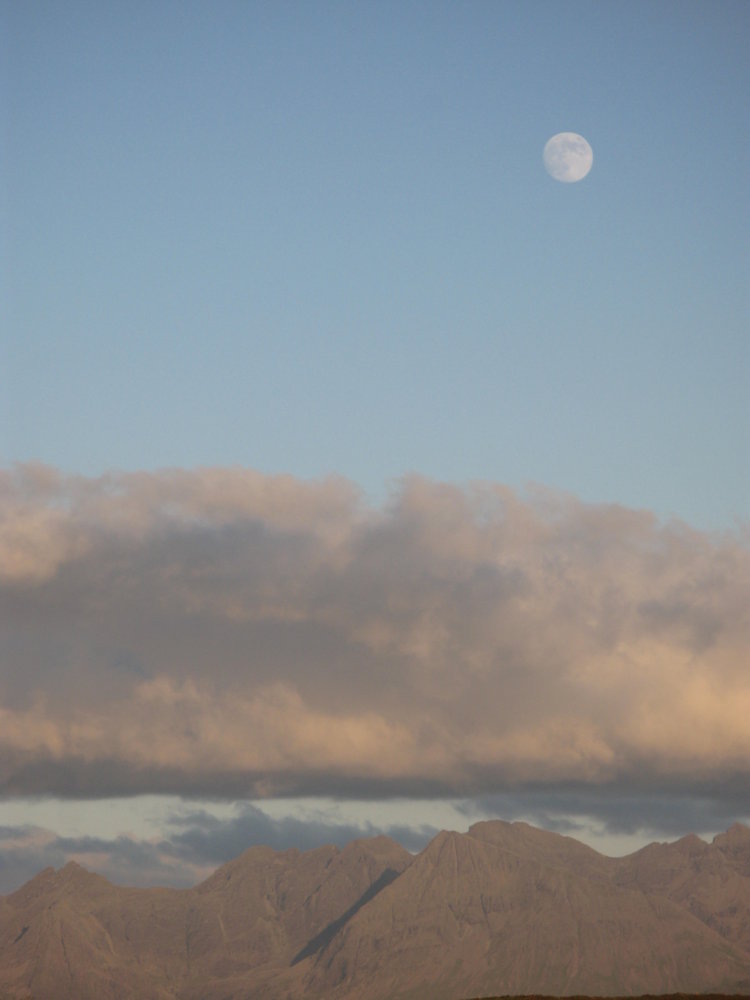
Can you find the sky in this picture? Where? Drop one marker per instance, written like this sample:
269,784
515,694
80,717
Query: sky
355,474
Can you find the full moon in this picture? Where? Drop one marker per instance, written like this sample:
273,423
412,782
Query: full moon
568,157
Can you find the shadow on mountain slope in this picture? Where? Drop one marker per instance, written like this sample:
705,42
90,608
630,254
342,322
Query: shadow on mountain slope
328,933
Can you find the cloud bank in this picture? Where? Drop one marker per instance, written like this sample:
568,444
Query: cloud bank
221,632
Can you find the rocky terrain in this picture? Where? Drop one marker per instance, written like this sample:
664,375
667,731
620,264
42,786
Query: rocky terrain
504,909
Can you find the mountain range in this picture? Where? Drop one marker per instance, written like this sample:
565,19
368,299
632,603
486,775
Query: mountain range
503,909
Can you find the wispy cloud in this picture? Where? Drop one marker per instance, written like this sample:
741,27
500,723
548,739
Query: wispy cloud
228,633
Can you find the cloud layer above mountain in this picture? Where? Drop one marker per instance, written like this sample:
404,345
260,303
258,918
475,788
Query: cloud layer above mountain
229,633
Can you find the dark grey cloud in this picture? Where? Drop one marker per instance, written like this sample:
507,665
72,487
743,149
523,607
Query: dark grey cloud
208,839
194,843
650,814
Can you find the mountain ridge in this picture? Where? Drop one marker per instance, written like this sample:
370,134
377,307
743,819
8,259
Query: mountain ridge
503,909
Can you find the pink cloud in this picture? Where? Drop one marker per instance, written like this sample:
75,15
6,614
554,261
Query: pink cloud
181,626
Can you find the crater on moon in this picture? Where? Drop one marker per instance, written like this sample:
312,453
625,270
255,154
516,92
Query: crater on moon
568,157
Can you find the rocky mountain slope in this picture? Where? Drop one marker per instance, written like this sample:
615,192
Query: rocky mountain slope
502,909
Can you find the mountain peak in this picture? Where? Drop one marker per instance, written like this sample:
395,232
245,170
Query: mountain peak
734,847
526,840
74,875
737,834
691,844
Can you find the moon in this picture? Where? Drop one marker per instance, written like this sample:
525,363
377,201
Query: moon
568,157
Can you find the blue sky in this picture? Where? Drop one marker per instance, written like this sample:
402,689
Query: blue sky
319,238
278,283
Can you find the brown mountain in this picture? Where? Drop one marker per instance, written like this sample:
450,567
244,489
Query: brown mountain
700,877
71,934
502,909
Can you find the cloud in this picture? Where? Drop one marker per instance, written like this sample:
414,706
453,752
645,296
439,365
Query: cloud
202,837
193,844
27,850
225,633
596,813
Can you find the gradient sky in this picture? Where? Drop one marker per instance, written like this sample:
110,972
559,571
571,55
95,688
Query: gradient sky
318,238
241,240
